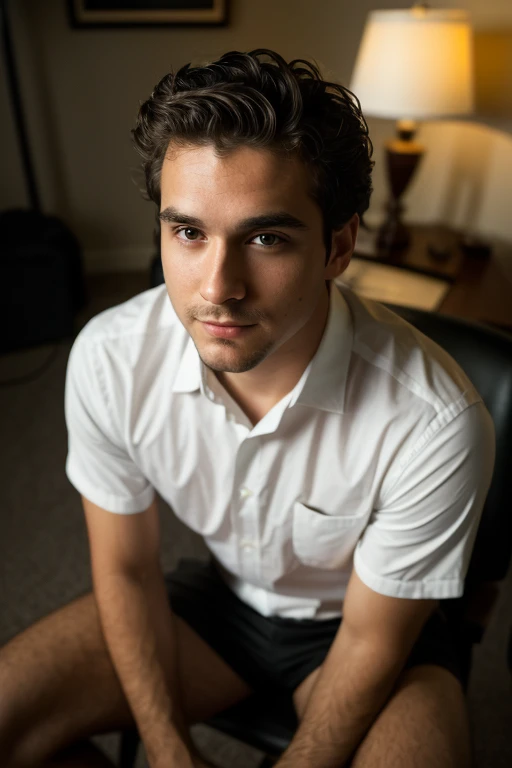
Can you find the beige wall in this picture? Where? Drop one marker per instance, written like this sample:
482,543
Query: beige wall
82,89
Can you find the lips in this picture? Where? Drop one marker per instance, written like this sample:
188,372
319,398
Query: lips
226,331
224,325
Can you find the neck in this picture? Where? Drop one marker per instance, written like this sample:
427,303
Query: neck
277,375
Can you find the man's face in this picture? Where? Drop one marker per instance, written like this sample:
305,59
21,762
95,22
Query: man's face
242,244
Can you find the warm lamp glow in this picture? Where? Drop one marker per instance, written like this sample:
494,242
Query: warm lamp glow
415,64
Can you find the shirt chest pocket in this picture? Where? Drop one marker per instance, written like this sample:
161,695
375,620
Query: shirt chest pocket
325,541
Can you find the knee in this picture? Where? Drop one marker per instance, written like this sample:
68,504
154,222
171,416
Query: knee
424,723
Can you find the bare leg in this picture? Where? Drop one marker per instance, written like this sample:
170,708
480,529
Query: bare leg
86,755
59,688
424,724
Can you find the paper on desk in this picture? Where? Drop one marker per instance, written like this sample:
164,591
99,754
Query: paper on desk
381,282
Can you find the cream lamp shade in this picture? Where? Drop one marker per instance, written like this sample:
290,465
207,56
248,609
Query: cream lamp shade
415,64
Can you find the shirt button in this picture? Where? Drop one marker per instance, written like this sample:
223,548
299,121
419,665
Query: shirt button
247,545
245,492
211,395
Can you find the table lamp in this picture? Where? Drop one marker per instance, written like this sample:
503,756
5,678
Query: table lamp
413,64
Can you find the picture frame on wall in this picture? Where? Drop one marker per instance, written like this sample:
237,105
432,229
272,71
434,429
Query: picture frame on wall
146,13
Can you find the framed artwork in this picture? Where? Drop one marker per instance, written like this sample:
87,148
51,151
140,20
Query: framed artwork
130,13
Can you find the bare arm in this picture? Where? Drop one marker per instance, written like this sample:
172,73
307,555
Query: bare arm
137,624
357,677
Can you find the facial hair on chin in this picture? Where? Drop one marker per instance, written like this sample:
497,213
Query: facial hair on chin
247,364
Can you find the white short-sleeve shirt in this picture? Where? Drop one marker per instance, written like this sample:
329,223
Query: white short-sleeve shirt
379,458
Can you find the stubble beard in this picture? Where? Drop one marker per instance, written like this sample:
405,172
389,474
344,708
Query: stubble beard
246,364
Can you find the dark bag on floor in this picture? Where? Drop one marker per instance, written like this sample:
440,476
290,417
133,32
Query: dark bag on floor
41,279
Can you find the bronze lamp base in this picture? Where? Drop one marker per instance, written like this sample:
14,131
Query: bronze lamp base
402,157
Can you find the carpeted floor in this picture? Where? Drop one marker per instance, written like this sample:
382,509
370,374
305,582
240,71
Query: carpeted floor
44,559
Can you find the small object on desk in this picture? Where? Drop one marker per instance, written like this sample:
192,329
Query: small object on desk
438,253
426,240
441,245
473,245
392,285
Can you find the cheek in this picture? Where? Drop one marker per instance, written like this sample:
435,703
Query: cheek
176,281
284,278
292,307
178,273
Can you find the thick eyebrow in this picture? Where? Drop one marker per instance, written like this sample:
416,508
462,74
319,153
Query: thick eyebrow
279,219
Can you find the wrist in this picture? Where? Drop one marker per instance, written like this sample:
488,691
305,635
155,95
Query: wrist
177,758
173,753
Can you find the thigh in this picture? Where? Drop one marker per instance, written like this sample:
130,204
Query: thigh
59,685
425,723
436,645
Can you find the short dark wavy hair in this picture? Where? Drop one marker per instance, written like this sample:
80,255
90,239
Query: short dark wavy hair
244,100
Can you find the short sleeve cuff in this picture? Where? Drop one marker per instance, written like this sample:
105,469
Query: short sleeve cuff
419,590
109,501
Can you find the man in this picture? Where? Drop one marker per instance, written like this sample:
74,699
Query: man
334,459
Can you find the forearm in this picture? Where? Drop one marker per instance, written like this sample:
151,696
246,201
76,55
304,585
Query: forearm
353,685
137,625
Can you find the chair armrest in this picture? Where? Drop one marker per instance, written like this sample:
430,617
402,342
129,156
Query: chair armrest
479,607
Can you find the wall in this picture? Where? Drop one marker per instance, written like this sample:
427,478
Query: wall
82,89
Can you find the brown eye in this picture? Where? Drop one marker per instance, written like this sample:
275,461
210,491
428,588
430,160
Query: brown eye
268,239
190,234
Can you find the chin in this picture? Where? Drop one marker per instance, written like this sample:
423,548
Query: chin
237,362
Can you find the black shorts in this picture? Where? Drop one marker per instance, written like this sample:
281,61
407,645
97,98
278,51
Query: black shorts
270,651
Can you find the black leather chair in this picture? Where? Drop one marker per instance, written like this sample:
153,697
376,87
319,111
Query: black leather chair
485,355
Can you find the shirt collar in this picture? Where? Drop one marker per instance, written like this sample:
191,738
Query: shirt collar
324,386
323,383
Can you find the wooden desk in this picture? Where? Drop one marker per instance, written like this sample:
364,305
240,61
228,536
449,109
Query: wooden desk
481,288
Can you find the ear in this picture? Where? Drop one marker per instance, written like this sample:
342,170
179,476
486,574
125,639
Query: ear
342,248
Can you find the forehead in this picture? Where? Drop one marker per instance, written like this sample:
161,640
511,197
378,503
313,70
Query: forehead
245,179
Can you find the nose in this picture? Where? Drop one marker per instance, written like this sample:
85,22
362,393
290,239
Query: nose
222,273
